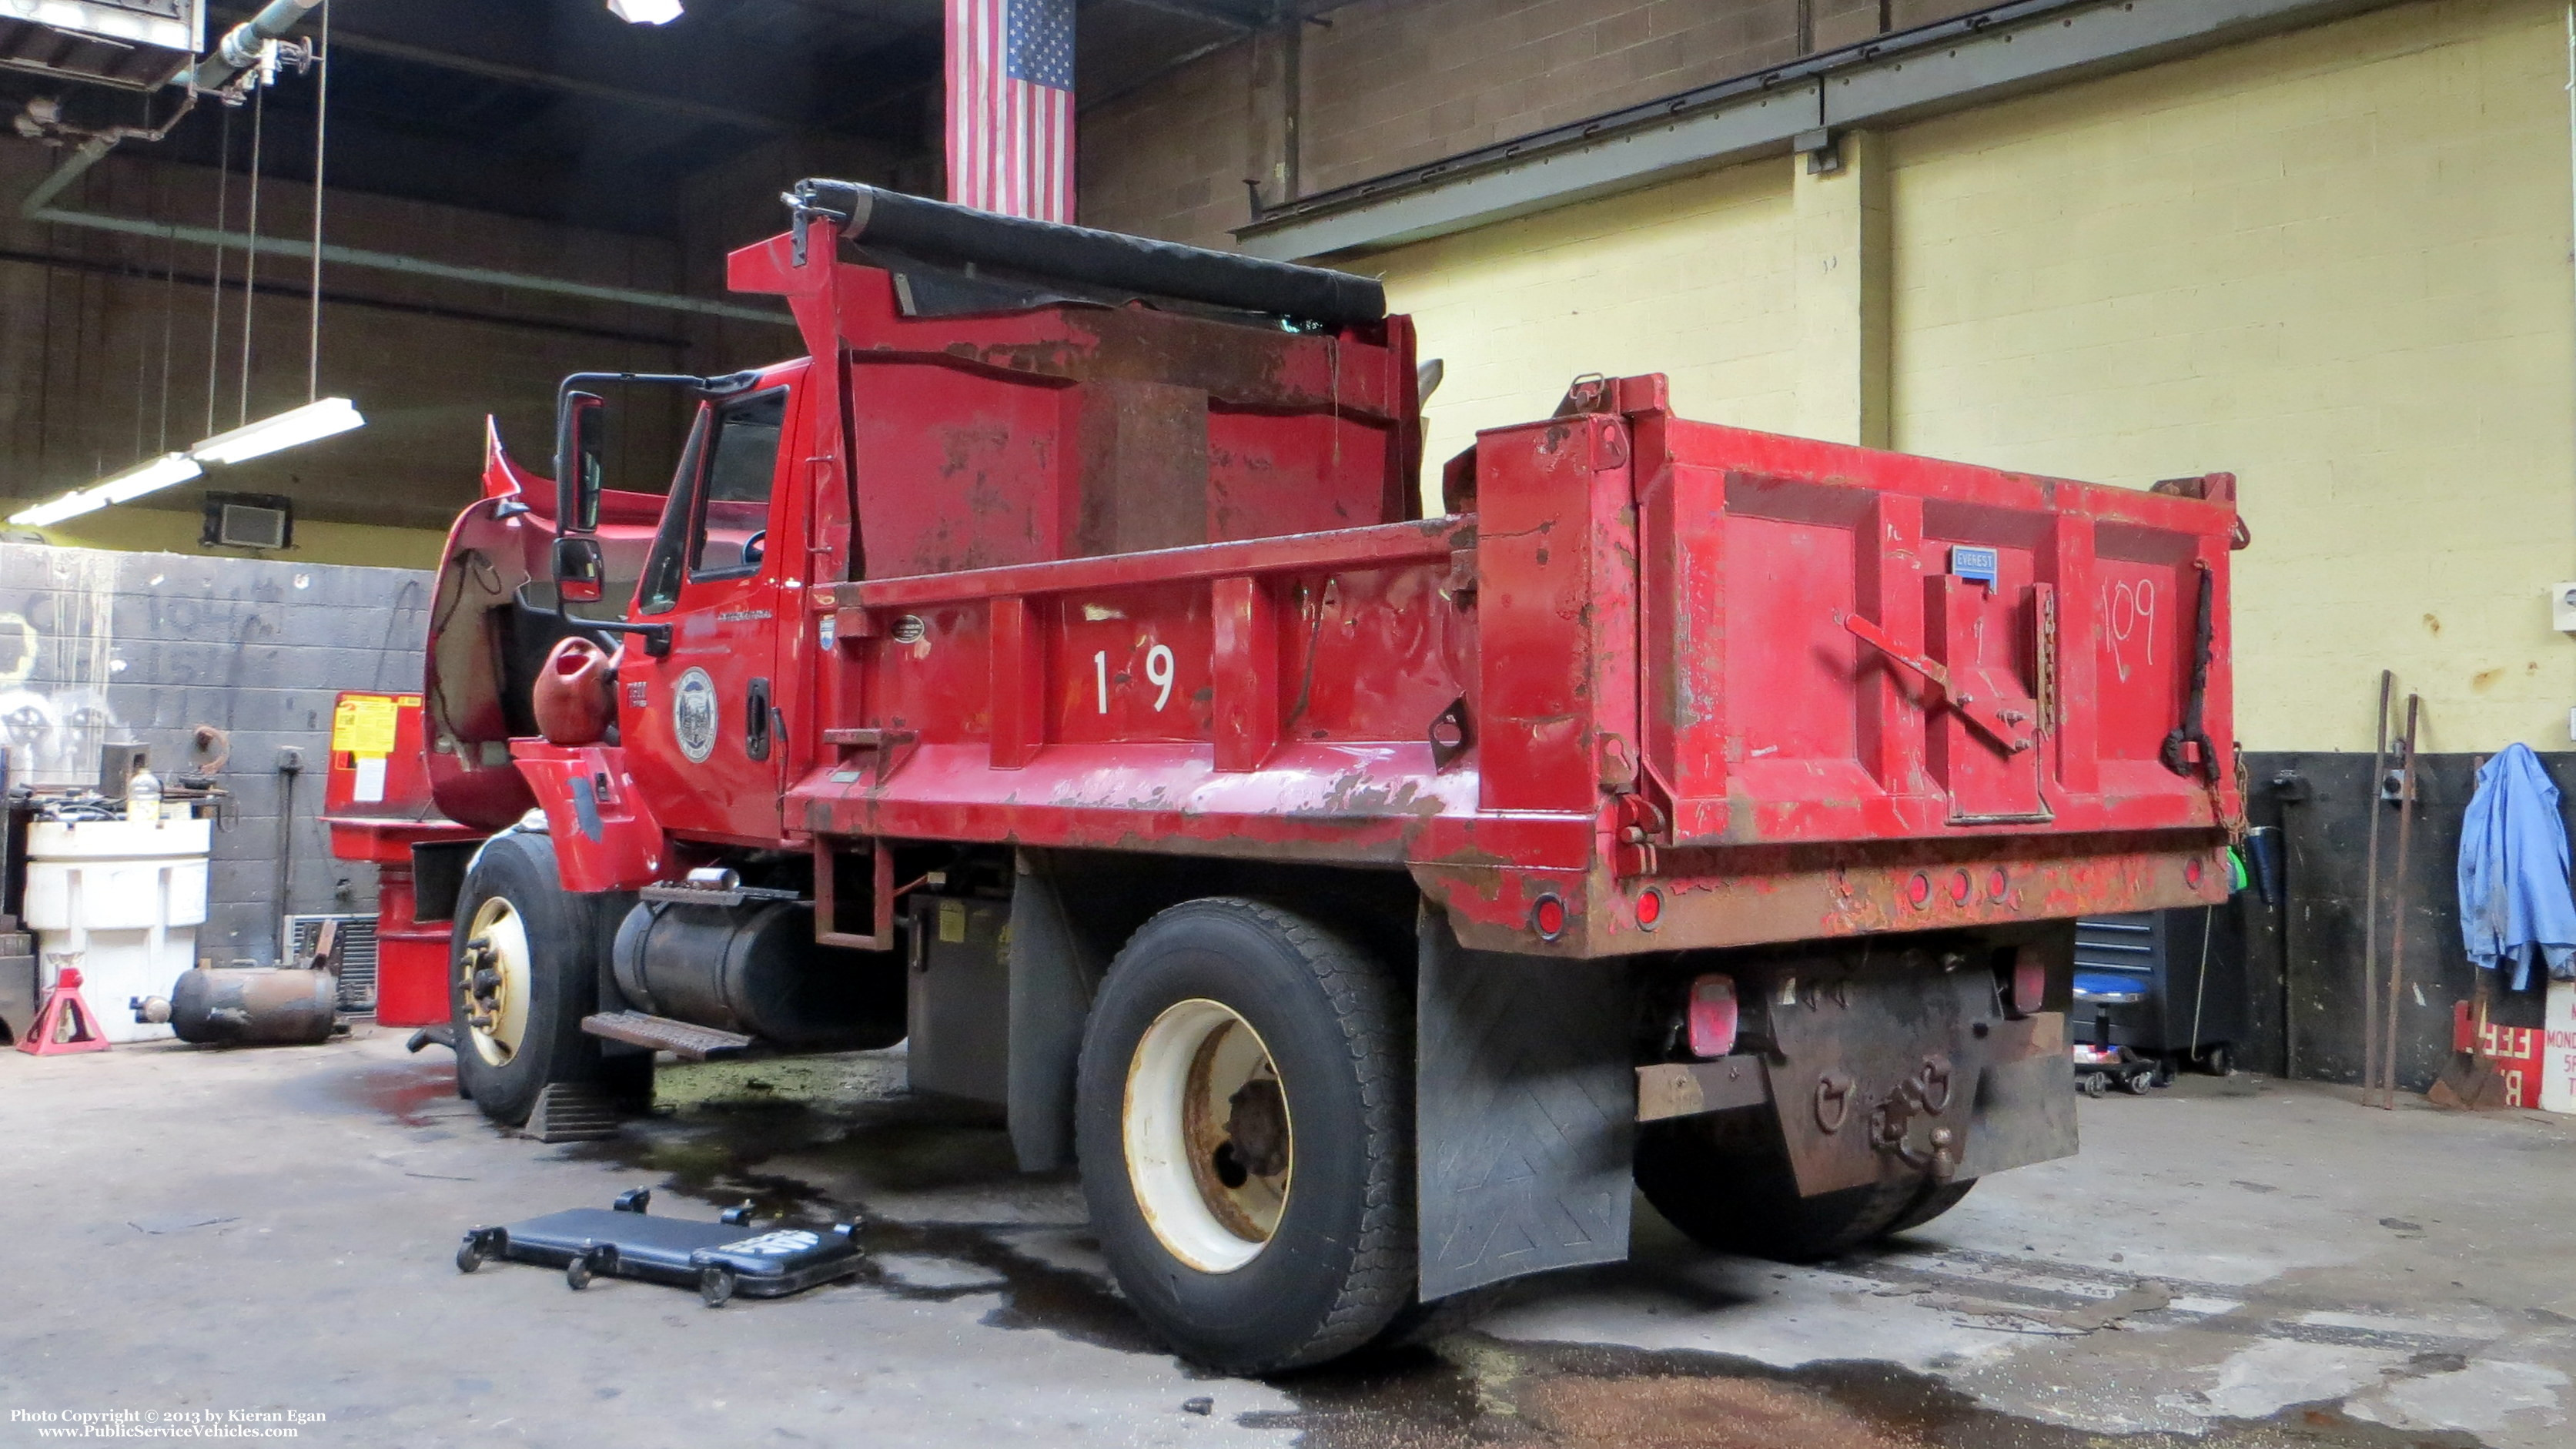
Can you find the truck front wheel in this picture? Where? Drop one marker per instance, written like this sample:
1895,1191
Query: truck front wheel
1242,1120
1725,1181
523,971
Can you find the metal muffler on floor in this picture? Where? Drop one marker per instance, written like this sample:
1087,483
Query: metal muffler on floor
248,1006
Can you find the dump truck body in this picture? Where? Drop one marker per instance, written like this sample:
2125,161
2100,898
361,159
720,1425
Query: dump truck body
1033,603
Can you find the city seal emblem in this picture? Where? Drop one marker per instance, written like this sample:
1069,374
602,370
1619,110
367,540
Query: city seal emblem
693,715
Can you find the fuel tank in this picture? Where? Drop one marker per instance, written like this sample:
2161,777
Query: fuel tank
756,969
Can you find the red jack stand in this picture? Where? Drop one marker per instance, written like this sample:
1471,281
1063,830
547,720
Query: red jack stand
47,1038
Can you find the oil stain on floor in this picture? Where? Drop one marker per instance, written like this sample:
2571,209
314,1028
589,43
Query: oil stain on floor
721,1133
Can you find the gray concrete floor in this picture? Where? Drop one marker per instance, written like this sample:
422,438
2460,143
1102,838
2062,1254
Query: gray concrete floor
189,1230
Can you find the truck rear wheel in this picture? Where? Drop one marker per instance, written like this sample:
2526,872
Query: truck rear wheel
1725,1181
1241,1123
522,973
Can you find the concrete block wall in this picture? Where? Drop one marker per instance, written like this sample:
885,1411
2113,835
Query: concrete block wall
1170,160
2334,262
1692,279
1391,84
1396,83
97,646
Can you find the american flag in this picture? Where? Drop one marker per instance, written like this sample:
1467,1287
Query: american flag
1010,106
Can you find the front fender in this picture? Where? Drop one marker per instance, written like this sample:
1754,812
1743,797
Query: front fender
605,836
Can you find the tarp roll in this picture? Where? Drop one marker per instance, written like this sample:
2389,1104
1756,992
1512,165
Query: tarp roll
939,230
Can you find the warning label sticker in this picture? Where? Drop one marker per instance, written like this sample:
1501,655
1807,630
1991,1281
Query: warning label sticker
363,725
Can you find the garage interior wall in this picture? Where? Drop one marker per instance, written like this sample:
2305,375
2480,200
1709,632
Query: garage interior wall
92,314
2334,262
98,646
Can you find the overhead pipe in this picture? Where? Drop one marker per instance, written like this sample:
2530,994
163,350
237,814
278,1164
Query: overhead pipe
340,256
240,48
236,53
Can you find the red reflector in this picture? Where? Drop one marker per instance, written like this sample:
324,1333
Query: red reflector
1918,891
1650,909
2030,982
1712,1016
1547,917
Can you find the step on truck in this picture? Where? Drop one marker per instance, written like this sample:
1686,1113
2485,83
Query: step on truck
1057,670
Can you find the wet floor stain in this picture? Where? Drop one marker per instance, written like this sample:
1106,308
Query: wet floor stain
1473,1390
1458,1390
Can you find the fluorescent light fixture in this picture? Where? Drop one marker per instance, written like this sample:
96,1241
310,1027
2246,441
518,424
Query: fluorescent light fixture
70,505
147,477
286,430
645,12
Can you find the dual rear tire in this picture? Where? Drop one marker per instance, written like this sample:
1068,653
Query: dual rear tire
1725,1180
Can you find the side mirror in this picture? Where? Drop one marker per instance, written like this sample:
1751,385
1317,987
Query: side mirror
580,576
581,427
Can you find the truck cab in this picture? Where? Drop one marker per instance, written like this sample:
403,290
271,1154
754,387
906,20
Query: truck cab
1056,671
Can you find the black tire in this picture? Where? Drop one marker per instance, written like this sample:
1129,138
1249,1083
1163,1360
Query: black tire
562,935
1339,1262
1935,1199
1726,1182
2217,1061
2094,1084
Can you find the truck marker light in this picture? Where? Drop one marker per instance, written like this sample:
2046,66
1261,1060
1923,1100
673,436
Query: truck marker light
1713,1016
1918,891
2029,983
1997,884
1961,888
1547,916
2191,871
1650,908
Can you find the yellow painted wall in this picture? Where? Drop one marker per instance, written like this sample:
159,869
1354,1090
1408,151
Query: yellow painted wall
154,530
2335,263
1691,279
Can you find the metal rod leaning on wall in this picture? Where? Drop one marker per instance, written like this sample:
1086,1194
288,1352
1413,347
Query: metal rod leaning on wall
2397,926
2370,893
290,763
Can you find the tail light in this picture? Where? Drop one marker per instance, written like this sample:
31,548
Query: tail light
1712,1016
1547,916
2029,982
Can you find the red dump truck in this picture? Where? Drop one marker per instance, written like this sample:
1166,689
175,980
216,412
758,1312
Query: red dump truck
1056,670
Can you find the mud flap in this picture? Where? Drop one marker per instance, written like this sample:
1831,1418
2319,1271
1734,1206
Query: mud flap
1524,1110
1054,968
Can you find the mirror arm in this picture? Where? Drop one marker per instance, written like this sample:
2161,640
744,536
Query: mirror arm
656,637
711,386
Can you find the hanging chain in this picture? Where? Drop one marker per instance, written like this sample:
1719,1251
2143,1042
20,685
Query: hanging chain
321,130
250,246
215,287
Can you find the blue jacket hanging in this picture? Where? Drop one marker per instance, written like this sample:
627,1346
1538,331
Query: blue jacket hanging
2514,898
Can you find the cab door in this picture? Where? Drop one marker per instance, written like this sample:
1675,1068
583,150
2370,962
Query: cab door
704,725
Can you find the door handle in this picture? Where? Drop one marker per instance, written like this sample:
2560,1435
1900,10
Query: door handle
756,714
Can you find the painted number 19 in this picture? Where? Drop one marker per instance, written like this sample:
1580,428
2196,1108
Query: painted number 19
1158,673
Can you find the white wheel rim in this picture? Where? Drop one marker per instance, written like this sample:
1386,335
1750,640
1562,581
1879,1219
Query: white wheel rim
1182,1085
497,1032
